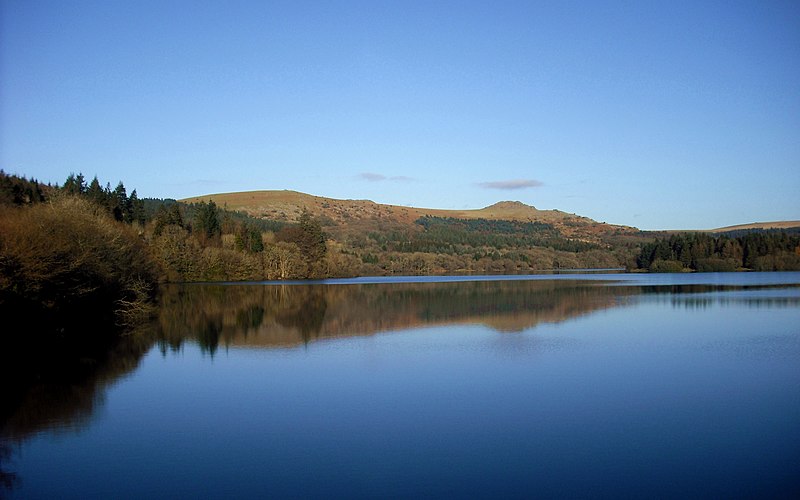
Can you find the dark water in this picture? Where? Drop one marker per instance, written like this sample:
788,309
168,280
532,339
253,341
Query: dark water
588,385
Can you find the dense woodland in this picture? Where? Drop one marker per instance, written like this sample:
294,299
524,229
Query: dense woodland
439,245
757,251
80,244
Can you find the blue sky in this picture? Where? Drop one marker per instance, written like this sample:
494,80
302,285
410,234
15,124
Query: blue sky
660,115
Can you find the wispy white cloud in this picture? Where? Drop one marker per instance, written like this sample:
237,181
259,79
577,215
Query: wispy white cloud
372,177
512,185
375,177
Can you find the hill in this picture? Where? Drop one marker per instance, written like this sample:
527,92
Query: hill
788,224
286,206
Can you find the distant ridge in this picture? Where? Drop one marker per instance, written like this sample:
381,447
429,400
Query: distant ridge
287,206
758,225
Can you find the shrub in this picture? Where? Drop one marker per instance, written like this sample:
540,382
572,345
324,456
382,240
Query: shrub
716,265
781,261
69,261
666,266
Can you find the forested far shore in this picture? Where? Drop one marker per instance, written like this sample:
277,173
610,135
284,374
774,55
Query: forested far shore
189,242
773,250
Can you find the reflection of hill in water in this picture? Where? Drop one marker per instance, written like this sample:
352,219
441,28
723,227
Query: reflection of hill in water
286,315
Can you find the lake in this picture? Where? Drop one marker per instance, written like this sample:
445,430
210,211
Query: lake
573,385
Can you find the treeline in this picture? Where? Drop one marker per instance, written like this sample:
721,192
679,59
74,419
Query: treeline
65,249
194,242
201,242
443,245
119,205
445,234
205,242
71,280
758,251
20,191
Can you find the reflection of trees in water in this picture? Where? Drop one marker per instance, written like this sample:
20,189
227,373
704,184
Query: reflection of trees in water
306,314
60,390
210,314
59,386
8,480
705,296
208,335
280,315
69,391
250,318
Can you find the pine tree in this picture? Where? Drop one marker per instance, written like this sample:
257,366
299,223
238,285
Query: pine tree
248,238
119,203
95,192
207,220
136,208
75,184
168,216
312,239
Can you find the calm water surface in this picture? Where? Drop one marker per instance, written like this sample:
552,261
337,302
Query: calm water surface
582,385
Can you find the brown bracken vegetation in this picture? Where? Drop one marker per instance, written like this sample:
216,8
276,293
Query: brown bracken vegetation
67,256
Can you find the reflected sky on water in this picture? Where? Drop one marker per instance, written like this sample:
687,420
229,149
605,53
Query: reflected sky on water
668,385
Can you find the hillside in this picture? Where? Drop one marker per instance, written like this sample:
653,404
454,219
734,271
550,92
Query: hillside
286,206
789,224
367,238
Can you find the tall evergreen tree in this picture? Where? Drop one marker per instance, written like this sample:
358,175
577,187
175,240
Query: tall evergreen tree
168,215
137,213
15,190
207,222
312,239
119,203
95,192
248,238
75,184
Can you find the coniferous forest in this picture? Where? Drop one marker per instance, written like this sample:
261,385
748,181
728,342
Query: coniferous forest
702,252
